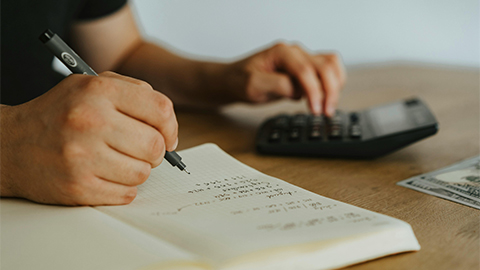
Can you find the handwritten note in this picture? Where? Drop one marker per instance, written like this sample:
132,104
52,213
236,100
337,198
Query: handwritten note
236,209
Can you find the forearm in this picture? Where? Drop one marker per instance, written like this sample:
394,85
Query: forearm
280,71
187,82
114,43
5,178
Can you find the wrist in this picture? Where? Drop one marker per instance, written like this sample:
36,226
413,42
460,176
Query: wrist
216,80
7,114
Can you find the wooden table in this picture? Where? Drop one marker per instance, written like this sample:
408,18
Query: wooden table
448,232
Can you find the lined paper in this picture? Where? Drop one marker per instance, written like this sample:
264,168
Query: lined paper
225,209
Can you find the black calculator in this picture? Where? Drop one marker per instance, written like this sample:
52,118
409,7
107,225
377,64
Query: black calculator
368,133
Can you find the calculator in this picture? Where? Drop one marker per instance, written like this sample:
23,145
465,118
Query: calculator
362,134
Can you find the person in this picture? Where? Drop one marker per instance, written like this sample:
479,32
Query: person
86,140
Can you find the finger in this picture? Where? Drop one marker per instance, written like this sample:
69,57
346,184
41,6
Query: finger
267,86
110,193
135,138
138,100
100,191
115,75
297,92
296,64
337,65
120,168
331,85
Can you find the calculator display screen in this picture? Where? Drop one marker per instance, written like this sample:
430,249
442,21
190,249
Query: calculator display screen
389,119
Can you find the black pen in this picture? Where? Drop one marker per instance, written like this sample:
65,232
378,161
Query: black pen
76,65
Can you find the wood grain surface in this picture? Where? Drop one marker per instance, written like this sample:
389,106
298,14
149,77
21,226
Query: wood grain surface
448,232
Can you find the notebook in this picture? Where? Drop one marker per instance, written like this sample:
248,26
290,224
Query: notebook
224,215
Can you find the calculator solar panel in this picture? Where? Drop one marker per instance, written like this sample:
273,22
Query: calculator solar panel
367,133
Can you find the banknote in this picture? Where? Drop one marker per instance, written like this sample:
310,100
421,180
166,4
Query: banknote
425,187
459,182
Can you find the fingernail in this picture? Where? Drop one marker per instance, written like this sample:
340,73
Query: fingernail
175,144
317,109
330,110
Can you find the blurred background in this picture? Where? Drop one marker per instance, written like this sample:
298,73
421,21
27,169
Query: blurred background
440,32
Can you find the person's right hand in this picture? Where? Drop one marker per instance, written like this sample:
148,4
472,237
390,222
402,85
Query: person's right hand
88,141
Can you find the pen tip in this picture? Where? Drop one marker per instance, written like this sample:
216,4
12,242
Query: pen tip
186,171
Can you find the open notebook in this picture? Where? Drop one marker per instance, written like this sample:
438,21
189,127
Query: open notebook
225,215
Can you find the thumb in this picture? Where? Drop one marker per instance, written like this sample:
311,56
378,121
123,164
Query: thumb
265,86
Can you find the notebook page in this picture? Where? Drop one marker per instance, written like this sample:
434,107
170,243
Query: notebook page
36,236
226,209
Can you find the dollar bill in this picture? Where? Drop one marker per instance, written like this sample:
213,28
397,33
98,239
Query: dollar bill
459,182
425,187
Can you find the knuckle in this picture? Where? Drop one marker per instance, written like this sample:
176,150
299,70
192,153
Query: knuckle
144,84
334,57
99,85
165,106
156,163
337,55
252,94
142,173
280,45
130,195
304,69
108,73
72,152
323,69
297,47
156,148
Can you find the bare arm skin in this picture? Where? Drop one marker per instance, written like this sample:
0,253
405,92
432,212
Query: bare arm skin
279,71
92,140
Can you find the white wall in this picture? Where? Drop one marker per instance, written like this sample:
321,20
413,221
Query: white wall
363,31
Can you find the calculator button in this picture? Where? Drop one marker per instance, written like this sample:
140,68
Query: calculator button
294,134
354,118
335,120
315,133
355,131
274,135
281,122
299,120
335,132
316,120
337,117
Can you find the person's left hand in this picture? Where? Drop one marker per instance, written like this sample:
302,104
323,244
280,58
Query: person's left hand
289,71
